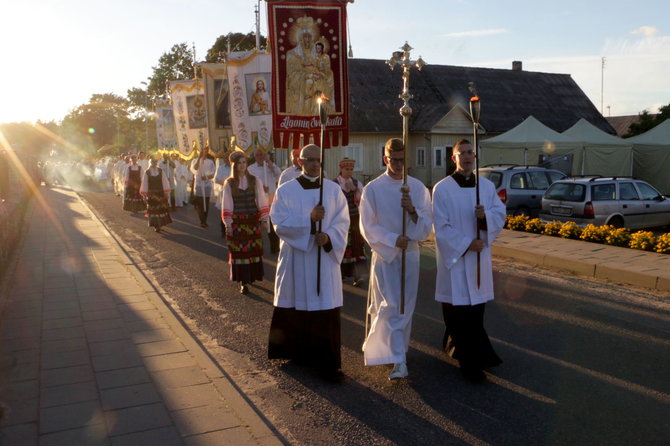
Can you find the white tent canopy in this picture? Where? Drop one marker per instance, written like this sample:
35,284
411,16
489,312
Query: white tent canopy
651,155
527,141
602,153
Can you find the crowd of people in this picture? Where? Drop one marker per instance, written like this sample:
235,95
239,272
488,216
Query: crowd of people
322,229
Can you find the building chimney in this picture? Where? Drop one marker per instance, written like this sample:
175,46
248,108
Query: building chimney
517,65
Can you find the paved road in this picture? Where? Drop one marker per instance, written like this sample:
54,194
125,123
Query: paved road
584,362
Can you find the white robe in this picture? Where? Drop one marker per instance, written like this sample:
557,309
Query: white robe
203,182
181,175
381,224
295,281
268,175
455,228
222,172
289,174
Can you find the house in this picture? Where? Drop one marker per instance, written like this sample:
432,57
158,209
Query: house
440,114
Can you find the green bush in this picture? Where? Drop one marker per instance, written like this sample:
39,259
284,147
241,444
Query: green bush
534,225
552,228
569,229
593,233
663,244
617,237
517,223
643,240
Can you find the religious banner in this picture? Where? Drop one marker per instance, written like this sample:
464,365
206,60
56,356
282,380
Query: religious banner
190,115
166,137
250,105
308,40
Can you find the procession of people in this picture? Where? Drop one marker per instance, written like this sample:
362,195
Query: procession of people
325,231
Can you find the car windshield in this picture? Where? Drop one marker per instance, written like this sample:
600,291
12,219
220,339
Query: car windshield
494,177
566,192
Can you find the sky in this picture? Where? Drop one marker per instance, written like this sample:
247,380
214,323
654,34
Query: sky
56,54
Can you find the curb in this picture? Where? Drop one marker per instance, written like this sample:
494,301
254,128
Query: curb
581,263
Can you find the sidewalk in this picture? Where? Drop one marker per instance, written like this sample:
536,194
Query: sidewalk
620,265
91,355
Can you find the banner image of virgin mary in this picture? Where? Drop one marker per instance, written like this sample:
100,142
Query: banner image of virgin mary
197,114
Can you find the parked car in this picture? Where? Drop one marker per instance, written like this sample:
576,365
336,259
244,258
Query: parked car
617,201
521,187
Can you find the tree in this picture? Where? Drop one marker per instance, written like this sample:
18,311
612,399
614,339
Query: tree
97,123
237,41
175,65
647,121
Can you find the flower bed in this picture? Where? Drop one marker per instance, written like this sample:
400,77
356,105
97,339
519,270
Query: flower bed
609,235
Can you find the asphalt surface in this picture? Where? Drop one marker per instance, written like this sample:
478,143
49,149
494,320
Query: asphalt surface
585,362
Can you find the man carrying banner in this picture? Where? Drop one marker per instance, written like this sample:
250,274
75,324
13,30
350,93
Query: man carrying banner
456,214
305,325
168,167
381,214
203,170
293,172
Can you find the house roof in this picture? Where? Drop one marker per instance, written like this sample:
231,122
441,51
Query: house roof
508,97
622,123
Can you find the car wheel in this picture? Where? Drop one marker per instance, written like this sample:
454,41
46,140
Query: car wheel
617,222
522,211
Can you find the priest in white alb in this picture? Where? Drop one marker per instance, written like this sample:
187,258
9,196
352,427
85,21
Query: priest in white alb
381,214
305,325
457,219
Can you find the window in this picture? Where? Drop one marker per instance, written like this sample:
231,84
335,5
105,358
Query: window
538,180
555,176
603,192
420,157
647,192
518,181
438,156
627,192
354,151
566,192
494,177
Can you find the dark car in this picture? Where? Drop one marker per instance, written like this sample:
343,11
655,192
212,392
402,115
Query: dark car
521,187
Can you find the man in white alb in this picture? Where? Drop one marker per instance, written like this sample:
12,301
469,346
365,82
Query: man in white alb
381,214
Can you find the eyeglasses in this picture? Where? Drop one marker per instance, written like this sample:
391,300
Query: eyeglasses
395,160
314,160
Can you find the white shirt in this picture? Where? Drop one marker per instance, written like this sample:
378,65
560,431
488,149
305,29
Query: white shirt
268,175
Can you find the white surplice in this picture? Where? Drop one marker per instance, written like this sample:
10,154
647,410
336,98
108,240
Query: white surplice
381,224
204,175
295,281
268,175
290,173
455,228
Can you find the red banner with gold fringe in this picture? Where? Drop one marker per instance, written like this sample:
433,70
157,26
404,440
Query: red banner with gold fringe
308,42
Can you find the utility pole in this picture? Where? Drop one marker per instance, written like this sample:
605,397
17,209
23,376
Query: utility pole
602,84
257,11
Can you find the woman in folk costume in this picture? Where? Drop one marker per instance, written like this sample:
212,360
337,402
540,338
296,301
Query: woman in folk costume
244,211
156,189
352,189
132,200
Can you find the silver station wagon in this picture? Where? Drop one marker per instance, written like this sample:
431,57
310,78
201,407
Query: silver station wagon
617,201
